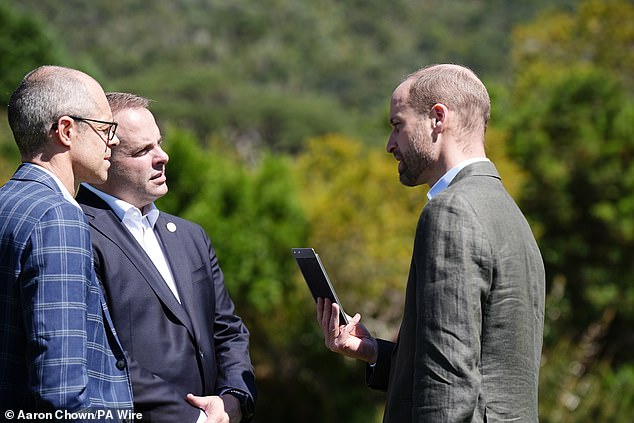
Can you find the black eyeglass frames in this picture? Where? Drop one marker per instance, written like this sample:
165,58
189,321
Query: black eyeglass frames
109,132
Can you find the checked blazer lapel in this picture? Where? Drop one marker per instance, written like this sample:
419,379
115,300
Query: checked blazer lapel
104,220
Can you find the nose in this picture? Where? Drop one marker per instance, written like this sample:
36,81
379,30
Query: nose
391,144
161,156
114,141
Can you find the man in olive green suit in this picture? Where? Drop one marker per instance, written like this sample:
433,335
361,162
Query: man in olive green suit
469,345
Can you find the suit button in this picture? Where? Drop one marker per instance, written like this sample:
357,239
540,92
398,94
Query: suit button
120,364
201,353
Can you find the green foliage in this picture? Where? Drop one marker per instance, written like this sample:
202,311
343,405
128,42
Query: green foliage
251,114
570,133
572,393
251,215
24,45
600,33
9,154
274,72
571,130
254,218
362,223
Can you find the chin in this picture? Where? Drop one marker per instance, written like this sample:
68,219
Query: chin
407,181
99,178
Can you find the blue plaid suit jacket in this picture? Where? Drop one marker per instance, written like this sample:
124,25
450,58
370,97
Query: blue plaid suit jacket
57,348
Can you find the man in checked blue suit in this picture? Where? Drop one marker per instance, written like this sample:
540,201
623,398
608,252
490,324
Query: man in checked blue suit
58,349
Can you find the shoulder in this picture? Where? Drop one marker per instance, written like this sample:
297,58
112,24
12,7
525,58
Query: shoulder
36,201
179,225
467,204
179,221
477,186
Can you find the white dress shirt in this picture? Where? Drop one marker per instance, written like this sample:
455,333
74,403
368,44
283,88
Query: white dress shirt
141,226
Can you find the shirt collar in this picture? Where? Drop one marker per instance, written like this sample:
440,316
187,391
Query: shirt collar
125,210
450,175
67,195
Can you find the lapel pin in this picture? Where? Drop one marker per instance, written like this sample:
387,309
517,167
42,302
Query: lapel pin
171,227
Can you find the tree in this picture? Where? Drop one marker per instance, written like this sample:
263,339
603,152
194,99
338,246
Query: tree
25,43
362,223
253,216
273,73
600,33
9,154
572,132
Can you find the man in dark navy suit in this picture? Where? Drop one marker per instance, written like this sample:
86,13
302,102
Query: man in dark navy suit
164,286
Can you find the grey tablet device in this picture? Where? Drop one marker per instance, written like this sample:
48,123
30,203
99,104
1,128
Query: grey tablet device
316,278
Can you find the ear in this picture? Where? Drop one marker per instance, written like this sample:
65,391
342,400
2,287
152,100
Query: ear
64,130
438,116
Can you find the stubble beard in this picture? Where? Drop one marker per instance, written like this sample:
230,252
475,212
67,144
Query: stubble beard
415,161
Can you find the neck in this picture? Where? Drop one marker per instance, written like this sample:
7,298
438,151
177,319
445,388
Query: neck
452,157
452,147
57,167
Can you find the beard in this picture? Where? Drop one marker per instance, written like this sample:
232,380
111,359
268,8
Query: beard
415,160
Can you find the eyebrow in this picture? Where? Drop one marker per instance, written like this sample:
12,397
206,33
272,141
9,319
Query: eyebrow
148,145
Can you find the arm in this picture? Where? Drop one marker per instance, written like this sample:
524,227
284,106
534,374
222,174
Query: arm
53,295
453,261
378,375
231,339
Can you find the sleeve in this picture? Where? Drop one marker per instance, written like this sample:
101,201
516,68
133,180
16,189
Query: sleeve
453,261
231,340
378,375
54,288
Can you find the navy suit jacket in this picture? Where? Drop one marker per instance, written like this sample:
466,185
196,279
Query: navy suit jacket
470,340
57,346
199,345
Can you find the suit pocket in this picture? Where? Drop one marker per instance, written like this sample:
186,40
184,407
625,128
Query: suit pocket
201,275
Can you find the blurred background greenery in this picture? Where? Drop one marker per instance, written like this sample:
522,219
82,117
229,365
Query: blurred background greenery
274,113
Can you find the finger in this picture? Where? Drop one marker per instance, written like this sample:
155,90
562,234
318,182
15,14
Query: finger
334,319
351,327
195,401
325,315
320,309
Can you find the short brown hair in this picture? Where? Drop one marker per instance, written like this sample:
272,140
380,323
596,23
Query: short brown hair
120,101
458,88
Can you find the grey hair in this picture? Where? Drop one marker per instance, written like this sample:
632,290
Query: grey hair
44,95
458,88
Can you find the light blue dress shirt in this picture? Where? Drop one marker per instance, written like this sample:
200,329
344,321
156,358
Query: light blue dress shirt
451,173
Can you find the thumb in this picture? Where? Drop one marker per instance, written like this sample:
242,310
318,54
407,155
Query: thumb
196,401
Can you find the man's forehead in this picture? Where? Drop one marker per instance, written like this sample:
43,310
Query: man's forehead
399,105
400,95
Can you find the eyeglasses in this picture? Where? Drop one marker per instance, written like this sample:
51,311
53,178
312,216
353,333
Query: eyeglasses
108,132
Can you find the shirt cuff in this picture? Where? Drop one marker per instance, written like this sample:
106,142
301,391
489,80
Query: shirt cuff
202,418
